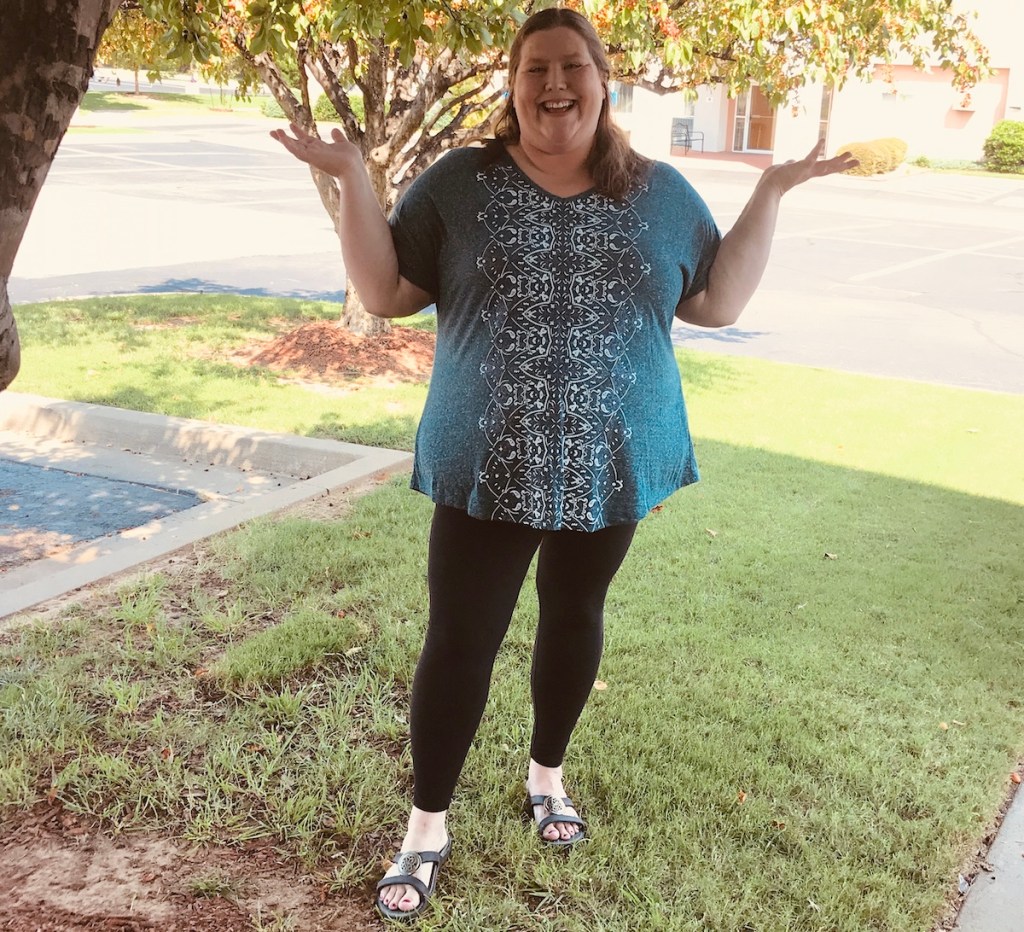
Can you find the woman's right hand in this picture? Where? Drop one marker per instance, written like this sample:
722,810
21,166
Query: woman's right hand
337,157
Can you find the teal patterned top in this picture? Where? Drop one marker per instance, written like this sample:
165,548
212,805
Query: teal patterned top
555,399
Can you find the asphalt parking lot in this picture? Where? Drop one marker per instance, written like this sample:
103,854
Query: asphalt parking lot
917,275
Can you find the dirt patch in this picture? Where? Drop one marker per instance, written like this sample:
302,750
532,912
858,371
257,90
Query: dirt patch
323,350
59,872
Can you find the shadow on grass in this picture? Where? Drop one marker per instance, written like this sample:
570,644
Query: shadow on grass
98,101
807,653
397,432
129,319
792,631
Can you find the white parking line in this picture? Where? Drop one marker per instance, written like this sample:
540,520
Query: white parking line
945,254
227,170
824,231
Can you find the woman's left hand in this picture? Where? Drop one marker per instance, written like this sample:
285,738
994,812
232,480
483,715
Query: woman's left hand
791,173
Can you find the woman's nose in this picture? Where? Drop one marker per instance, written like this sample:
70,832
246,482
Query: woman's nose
556,77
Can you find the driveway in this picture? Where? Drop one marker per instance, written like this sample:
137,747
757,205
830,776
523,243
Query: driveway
915,275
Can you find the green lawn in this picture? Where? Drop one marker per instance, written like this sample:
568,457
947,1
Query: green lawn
123,100
813,661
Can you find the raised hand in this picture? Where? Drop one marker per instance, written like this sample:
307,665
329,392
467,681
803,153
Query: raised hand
791,173
337,157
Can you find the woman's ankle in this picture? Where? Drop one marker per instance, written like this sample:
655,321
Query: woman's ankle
422,822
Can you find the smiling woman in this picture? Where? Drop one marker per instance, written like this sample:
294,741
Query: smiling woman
557,258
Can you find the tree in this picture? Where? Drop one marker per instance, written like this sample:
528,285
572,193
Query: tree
134,41
424,70
427,69
47,49
781,45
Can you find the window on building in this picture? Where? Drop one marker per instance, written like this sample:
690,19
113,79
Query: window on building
826,113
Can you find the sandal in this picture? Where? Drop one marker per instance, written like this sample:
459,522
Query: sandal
556,807
408,863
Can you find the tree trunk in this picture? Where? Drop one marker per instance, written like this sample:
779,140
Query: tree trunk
47,48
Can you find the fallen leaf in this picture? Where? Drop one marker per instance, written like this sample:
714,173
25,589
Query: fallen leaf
711,533
148,877
943,726
255,748
1015,777
657,508
600,685
340,613
955,722
741,797
962,885
778,823
200,671
814,906
352,651
167,753
831,556
52,795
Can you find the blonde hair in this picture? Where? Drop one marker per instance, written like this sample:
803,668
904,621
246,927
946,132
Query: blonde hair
613,163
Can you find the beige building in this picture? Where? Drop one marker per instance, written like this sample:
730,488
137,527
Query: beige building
920,107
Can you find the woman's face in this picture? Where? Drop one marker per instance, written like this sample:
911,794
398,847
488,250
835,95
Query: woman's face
558,92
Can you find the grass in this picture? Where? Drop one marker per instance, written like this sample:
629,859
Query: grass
963,167
813,659
161,104
170,355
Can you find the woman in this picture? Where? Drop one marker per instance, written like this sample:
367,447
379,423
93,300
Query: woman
557,257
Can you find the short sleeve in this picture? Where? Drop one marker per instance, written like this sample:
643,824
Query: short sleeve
417,232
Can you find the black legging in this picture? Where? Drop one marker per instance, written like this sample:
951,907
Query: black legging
475,571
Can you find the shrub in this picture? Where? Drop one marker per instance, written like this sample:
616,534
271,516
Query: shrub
323,109
271,108
877,156
895,150
1004,148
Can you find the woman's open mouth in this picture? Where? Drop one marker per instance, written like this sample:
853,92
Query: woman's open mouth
558,106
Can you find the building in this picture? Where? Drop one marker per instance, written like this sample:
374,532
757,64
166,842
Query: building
920,107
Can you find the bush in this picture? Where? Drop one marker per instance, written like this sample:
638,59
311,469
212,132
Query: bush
1004,148
271,108
877,156
323,109
324,112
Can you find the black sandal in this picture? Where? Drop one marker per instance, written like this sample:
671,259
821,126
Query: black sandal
408,863
556,807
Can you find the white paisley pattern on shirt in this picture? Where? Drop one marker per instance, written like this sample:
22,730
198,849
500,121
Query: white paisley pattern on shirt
561,316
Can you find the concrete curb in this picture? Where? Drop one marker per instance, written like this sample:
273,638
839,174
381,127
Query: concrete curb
995,902
254,473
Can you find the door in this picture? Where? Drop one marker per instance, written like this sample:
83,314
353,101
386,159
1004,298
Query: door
755,123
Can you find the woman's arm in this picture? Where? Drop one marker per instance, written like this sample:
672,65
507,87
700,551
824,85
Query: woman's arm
366,244
743,254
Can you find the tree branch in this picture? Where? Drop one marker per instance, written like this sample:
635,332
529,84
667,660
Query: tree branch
326,67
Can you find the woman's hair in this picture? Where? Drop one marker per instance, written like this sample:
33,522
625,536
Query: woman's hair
614,165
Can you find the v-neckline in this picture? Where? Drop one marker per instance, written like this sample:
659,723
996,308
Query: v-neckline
565,198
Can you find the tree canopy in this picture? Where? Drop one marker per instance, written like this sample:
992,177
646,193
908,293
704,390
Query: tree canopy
428,71
782,45
134,41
